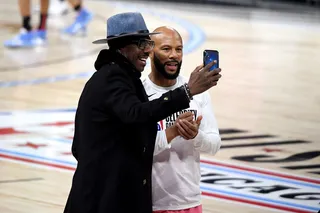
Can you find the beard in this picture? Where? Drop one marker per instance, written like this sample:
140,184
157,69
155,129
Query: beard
162,70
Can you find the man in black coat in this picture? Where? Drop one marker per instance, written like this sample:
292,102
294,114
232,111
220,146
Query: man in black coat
116,125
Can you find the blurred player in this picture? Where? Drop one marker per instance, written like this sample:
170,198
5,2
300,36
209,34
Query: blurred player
82,20
28,37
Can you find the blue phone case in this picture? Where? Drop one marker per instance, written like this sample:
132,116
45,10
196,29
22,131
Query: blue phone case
209,56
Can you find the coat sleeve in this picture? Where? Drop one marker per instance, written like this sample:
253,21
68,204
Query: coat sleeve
121,98
208,139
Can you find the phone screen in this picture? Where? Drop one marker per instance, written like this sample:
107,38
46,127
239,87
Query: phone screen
209,56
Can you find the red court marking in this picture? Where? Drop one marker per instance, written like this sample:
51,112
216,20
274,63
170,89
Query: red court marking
65,153
10,131
60,123
272,150
32,145
37,162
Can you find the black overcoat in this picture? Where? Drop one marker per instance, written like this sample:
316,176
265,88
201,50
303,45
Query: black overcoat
115,132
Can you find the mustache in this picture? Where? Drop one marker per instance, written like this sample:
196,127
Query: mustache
172,61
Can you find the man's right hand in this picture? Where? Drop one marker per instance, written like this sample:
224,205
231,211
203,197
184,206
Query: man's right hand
201,79
172,131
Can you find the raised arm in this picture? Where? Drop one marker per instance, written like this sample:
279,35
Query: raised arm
124,102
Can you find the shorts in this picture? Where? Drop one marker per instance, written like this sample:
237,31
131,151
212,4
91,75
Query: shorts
196,209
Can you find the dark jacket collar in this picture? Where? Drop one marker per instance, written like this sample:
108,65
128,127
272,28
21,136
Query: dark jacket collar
109,56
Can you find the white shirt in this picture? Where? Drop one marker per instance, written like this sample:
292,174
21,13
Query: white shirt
176,166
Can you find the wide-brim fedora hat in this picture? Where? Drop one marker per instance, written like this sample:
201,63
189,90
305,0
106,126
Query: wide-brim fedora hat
125,24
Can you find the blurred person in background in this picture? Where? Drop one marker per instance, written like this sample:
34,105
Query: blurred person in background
84,16
29,37
181,136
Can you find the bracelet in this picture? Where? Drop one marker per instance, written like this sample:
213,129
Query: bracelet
187,90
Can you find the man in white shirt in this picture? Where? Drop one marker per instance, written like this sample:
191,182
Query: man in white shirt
182,136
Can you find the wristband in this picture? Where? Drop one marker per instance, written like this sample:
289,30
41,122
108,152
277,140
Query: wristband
187,90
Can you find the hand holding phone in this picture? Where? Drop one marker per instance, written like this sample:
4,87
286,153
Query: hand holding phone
209,56
207,74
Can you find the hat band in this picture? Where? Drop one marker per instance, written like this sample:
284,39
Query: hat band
131,33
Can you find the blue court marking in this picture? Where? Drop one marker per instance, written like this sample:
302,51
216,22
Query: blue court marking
251,197
35,157
4,113
252,174
54,110
62,140
196,38
45,79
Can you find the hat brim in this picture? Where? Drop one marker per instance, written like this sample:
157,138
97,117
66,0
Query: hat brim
105,40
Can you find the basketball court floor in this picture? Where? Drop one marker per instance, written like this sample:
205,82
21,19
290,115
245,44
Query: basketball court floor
267,104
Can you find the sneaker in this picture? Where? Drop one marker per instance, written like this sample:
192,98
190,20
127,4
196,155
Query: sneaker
27,39
80,24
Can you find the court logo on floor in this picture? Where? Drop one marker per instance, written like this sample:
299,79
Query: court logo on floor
259,187
43,138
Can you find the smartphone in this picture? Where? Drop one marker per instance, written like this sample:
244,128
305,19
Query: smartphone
209,56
